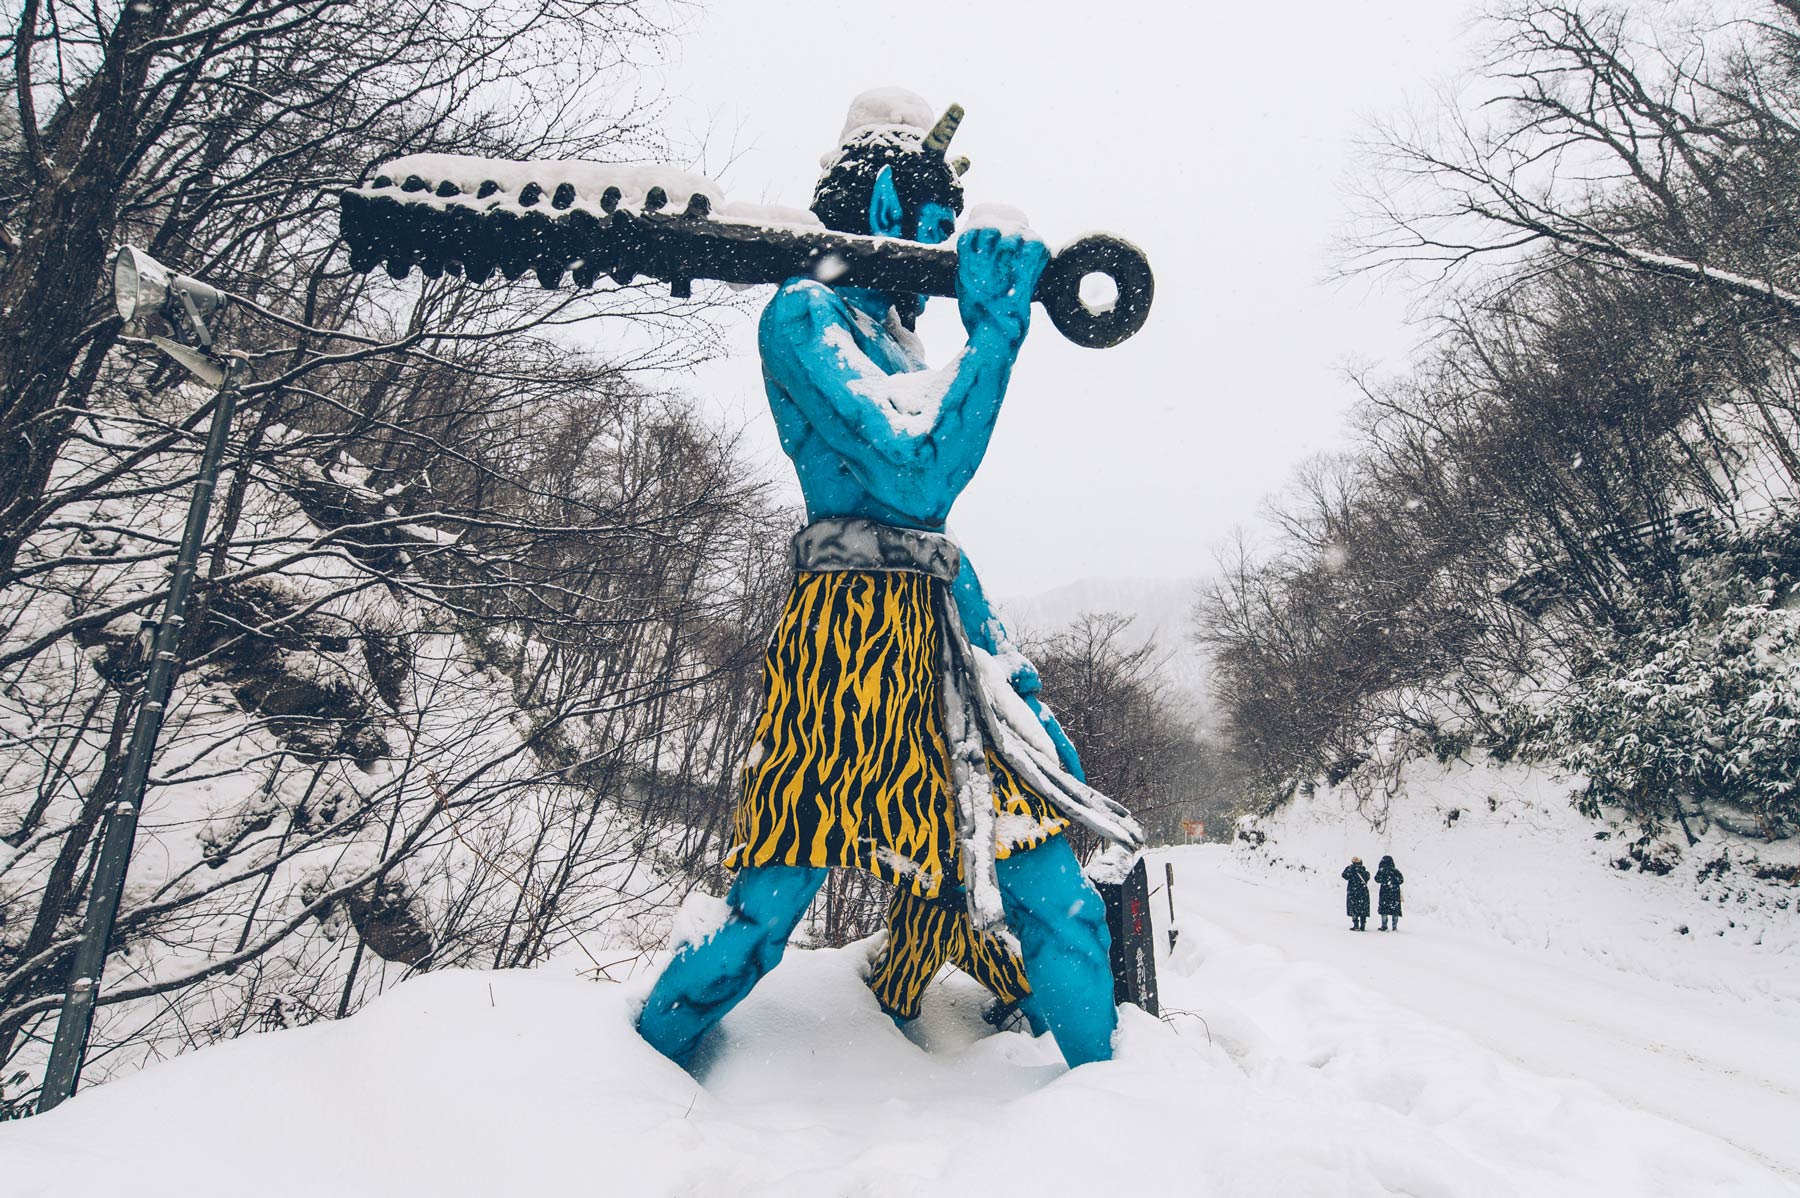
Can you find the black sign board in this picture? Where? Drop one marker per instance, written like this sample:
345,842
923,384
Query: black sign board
1133,940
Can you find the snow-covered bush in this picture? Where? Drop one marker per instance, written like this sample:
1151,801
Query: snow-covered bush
1709,714
1699,711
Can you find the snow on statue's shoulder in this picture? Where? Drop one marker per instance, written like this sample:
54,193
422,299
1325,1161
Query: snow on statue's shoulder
910,401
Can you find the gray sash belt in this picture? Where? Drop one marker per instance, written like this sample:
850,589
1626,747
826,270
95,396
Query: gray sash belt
973,718
864,545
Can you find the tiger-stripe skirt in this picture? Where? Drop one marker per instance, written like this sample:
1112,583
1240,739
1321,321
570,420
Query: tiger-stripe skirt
849,766
924,933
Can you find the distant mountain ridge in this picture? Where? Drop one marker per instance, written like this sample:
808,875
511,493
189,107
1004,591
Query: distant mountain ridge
1161,610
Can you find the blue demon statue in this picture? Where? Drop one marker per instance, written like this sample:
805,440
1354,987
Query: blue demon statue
901,732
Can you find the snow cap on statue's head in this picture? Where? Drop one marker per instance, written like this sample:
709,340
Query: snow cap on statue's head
883,107
889,127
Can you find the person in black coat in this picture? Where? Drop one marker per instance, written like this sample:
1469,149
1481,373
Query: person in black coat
1389,879
1356,894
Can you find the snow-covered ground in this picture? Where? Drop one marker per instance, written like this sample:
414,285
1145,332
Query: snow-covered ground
1537,932
1709,1061
1297,1059
1499,849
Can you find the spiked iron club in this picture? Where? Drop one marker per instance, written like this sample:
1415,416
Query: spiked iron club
478,217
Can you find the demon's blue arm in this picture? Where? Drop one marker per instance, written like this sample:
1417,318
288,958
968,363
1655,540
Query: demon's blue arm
987,632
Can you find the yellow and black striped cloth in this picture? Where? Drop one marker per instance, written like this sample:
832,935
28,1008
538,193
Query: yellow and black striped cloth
849,765
923,934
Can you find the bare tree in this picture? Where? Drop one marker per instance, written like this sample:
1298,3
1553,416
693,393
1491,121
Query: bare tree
1606,215
215,135
1109,691
480,615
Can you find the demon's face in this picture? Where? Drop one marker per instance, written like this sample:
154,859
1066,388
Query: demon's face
936,223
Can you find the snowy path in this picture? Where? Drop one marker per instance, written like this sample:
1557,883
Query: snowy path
1328,1066
1713,1061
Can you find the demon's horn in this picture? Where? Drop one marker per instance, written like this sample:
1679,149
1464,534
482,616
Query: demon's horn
938,140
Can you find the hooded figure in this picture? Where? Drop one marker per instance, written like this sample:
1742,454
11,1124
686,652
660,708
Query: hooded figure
1388,878
1356,893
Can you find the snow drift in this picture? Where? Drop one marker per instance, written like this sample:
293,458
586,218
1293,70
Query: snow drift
1272,1076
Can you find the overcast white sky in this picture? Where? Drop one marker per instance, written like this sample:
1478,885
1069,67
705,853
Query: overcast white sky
1218,137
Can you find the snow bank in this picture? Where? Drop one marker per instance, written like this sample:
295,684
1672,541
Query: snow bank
1500,849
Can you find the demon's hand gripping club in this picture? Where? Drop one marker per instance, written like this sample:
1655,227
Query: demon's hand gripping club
580,220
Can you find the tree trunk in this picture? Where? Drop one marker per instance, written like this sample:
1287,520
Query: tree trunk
46,292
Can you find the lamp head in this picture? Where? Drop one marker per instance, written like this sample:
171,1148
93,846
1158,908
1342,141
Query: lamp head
144,288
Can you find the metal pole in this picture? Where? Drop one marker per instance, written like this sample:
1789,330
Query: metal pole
1169,876
70,1048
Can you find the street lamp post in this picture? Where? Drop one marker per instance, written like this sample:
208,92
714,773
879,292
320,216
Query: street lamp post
143,287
